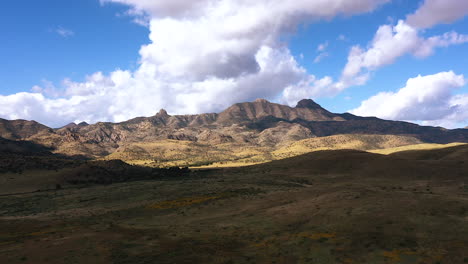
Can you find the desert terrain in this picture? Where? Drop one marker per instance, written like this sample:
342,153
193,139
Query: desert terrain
258,183
331,206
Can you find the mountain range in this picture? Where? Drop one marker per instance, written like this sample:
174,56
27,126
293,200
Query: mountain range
255,128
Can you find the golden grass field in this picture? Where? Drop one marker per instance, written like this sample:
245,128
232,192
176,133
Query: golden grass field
168,153
388,151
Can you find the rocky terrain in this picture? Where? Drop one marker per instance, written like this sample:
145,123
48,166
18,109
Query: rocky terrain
254,128
122,192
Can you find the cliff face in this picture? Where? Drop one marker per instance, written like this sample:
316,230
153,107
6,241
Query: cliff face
256,124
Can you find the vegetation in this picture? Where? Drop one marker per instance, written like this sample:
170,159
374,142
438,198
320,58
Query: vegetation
387,151
168,153
333,206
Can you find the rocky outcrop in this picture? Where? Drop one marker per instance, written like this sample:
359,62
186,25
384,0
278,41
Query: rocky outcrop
258,123
306,110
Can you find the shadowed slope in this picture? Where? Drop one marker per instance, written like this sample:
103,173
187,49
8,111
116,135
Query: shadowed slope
327,207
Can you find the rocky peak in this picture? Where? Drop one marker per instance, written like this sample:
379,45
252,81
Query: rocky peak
260,100
162,113
71,125
308,103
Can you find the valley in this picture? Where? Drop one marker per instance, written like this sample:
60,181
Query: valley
332,206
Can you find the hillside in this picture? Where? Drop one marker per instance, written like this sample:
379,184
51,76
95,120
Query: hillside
387,151
255,130
327,207
166,153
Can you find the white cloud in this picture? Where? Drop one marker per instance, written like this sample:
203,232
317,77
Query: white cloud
204,55
322,52
307,88
429,99
320,57
64,32
390,43
342,37
139,17
434,12
322,47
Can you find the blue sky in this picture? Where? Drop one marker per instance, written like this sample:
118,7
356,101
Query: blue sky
94,60
32,49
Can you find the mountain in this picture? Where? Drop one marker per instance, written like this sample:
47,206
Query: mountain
306,110
251,128
21,129
22,147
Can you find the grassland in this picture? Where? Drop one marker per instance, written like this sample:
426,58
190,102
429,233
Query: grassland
167,153
324,207
388,151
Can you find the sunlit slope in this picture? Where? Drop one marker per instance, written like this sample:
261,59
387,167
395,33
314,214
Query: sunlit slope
166,153
352,141
387,151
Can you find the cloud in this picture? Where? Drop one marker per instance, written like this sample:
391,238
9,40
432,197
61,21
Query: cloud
308,88
64,32
322,52
342,37
203,56
390,43
189,9
139,17
434,12
428,98
320,57
322,47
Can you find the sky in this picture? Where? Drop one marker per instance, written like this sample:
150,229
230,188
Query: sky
113,60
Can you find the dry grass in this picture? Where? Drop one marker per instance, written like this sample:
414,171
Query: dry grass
182,202
174,153
326,207
389,151
354,141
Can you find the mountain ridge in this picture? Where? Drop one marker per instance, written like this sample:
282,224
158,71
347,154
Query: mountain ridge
257,124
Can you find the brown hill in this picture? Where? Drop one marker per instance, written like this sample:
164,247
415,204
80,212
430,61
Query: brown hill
22,147
333,206
258,124
21,129
306,110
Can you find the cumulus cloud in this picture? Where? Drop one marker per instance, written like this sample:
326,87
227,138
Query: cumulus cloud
203,56
433,12
429,99
390,43
306,88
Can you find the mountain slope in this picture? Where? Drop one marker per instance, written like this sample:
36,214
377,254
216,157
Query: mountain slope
306,110
21,129
253,125
334,206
